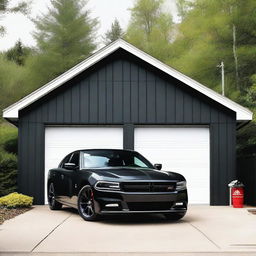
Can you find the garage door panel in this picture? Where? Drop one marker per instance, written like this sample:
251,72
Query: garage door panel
183,150
60,141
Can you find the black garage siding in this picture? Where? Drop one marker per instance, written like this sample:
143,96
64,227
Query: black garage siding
123,90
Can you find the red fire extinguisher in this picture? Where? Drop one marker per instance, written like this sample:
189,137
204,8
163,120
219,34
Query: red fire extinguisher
237,193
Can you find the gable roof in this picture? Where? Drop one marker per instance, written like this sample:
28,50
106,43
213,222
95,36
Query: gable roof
12,112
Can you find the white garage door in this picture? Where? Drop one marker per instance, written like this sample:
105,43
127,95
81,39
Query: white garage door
183,150
59,141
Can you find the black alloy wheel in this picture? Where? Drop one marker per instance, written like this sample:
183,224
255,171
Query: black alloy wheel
86,204
53,204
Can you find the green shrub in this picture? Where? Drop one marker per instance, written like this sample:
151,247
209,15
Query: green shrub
8,159
9,139
7,132
11,145
15,200
8,173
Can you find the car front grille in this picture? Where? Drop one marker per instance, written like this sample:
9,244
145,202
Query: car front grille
148,186
149,206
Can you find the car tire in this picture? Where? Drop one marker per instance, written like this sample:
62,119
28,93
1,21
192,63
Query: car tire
53,204
85,204
174,216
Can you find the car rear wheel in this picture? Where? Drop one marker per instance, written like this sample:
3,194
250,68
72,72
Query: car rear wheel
53,204
86,204
174,216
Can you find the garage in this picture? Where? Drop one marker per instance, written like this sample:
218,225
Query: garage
120,97
182,150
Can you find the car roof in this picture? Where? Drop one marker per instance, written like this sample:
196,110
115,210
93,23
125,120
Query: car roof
104,149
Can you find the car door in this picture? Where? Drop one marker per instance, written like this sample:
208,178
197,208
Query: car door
69,179
58,179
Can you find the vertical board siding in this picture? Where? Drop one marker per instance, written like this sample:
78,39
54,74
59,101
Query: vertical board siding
179,105
84,101
160,101
170,104
102,95
109,93
117,92
188,109
125,92
151,98
93,98
75,103
142,95
134,94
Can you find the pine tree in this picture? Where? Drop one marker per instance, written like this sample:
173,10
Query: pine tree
114,33
65,36
18,53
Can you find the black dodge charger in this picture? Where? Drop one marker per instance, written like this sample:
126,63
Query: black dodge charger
109,181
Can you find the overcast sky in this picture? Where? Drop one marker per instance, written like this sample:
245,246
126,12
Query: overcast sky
20,27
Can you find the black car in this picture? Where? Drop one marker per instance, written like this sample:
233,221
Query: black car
110,181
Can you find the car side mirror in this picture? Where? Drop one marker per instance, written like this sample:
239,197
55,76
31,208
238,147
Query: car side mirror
158,166
70,166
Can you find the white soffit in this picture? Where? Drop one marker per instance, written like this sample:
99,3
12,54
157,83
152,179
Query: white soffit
12,112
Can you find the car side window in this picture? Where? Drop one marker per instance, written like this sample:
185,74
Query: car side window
138,162
75,159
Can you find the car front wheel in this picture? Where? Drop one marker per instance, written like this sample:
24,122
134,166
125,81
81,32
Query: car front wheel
53,204
86,204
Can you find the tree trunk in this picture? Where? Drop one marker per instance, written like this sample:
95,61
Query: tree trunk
235,57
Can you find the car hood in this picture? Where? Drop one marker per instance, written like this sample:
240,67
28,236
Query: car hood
122,174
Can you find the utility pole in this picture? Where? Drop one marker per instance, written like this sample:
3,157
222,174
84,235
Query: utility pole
222,78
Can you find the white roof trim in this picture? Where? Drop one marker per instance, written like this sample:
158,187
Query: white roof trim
12,112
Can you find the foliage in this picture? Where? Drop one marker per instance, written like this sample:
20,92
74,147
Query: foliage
13,82
215,31
65,36
15,200
150,28
18,53
183,6
8,173
8,159
114,33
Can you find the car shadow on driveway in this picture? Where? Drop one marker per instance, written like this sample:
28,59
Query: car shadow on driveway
132,219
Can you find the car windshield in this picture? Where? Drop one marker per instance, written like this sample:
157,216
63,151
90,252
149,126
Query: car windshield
113,158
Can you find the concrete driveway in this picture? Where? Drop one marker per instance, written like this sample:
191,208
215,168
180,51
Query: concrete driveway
205,229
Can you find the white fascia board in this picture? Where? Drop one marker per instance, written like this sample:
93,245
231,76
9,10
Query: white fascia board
12,112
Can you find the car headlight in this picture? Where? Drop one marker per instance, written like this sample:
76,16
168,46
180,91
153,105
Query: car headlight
106,185
181,185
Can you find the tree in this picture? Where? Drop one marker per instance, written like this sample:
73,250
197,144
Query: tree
22,7
182,8
215,31
18,53
114,33
150,28
65,36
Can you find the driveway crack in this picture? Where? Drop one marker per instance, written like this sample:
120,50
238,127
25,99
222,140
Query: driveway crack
50,233
208,238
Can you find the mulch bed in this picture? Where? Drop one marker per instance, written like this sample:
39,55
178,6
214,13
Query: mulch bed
6,214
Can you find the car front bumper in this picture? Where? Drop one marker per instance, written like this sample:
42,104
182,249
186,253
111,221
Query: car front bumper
144,202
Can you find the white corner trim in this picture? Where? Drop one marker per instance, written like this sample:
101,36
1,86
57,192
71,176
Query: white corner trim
12,112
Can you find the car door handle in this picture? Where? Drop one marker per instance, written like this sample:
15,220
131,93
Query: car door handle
62,176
